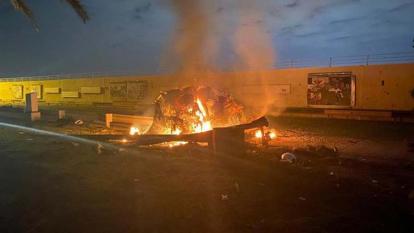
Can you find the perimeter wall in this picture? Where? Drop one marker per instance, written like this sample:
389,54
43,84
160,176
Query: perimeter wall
377,87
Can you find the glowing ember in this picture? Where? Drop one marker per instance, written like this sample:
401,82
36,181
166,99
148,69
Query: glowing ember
258,134
124,140
176,132
179,143
272,135
206,126
134,131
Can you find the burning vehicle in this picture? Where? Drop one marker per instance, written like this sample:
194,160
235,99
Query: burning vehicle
194,110
197,115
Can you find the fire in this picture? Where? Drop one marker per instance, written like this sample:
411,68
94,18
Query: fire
177,131
258,134
201,123
179,143
201,107
134,131
204,124
195,110
272,135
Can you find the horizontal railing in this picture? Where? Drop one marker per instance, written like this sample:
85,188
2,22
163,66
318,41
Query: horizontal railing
67,76
365,60
373,59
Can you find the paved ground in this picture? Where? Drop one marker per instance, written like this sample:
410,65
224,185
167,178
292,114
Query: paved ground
53,185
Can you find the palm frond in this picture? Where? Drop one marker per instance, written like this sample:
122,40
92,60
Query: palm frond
79,8
20,5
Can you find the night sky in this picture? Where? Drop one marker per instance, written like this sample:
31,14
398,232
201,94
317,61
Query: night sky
132,35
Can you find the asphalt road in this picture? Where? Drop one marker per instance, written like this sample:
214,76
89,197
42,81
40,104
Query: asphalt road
49,184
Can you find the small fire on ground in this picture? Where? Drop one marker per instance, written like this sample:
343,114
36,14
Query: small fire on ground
269,134
134,131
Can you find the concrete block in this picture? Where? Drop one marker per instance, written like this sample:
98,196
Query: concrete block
35,116
32,104
61,114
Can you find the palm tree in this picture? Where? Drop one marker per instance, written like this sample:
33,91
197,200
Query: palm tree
20,5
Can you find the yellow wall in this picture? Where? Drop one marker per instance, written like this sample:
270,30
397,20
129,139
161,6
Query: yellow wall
370,94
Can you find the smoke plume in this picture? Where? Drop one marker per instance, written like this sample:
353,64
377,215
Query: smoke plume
201,28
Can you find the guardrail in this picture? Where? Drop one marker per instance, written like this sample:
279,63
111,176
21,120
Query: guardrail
366,60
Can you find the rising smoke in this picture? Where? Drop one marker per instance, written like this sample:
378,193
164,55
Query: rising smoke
201,28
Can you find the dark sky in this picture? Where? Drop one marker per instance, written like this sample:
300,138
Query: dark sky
132,35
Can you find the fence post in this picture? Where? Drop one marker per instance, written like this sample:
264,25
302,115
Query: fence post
330,62
367,62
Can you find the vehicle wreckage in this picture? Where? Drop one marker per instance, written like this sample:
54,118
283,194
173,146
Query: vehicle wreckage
195,115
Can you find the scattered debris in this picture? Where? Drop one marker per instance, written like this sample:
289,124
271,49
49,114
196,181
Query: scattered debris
75,144
21,133
224,197
332,173
288,157
317,151
79,122
302,198
305,163
65,121
374,181
99,148
324,150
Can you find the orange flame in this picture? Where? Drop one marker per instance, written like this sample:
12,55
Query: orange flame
205,125
273,135
258,134
177,131
134,131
